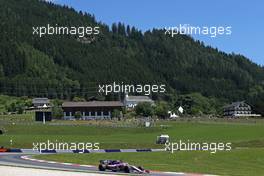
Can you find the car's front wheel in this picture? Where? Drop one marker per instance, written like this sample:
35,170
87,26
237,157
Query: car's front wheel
101,167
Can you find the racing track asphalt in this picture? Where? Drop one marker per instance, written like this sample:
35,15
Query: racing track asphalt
14,159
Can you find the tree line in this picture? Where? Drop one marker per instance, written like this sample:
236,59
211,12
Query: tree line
63,67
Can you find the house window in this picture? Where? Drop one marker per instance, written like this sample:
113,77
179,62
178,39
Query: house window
106,113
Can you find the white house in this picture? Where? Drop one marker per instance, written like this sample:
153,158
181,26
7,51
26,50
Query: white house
132,101
239,109
41,102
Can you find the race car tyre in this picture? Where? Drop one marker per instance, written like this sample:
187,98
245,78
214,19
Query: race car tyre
126,169
101,168
140,168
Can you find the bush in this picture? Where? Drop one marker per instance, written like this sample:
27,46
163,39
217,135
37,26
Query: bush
144,109
161,109
78,115
77,99
57,112
17,107
116,113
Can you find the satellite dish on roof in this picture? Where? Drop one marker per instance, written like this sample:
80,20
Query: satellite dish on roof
44,106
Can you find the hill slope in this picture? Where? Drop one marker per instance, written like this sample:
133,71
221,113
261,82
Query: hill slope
58,66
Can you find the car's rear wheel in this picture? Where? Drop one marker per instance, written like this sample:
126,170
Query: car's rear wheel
126,169
140,168
101,167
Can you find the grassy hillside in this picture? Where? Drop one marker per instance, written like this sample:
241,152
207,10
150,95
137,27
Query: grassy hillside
64,66
61,67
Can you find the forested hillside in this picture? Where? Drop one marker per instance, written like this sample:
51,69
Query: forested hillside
63,66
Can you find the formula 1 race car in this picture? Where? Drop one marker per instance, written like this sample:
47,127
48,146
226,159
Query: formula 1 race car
120,166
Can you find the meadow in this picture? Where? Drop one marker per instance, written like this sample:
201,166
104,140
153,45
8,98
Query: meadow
245,158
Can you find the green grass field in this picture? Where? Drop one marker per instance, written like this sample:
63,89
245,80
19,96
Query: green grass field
242,135
246,161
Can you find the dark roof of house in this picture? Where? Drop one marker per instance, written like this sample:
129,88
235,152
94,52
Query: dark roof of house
93,104
235,104
40,100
